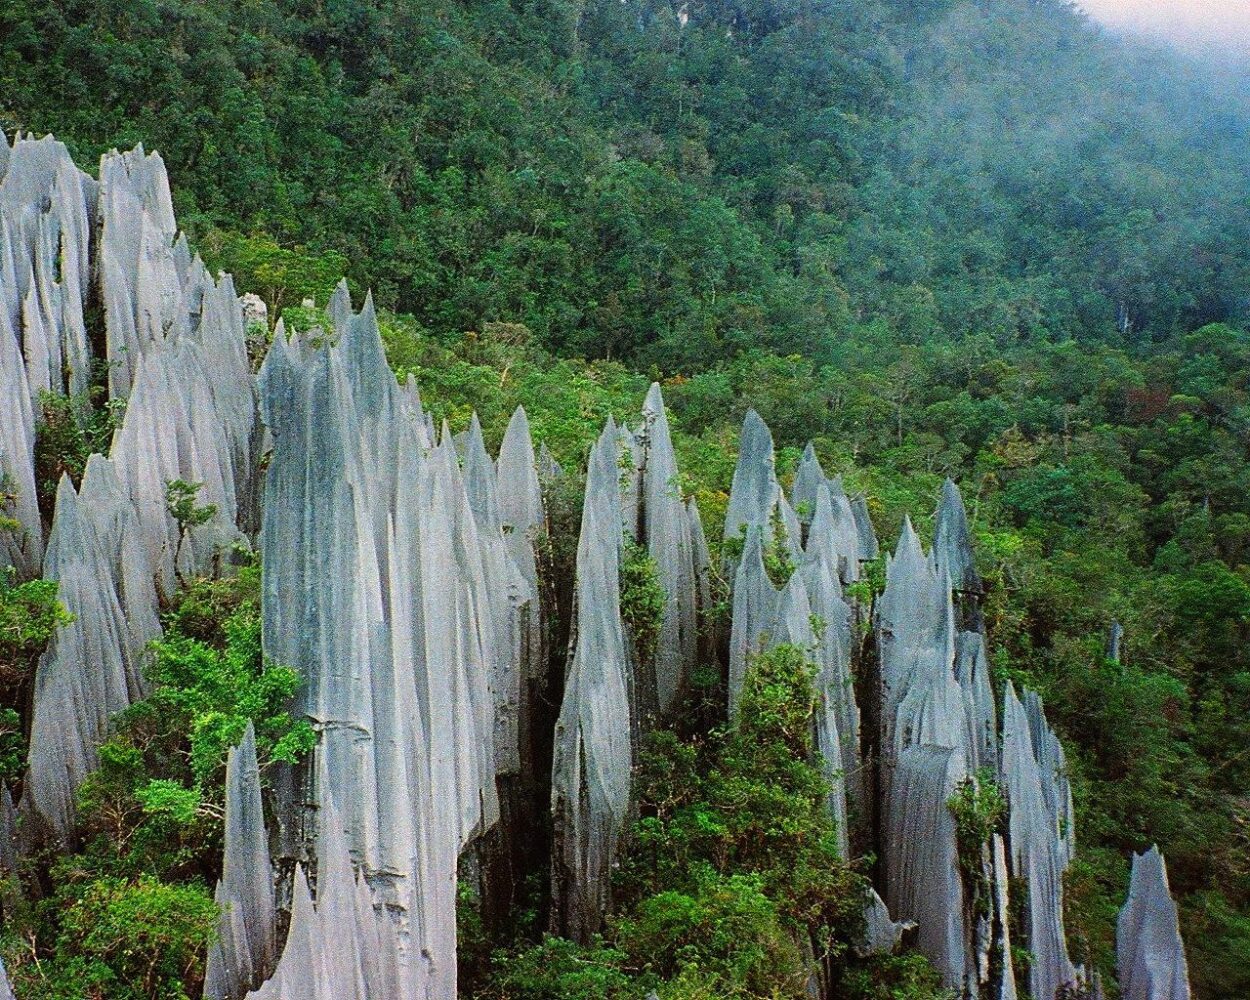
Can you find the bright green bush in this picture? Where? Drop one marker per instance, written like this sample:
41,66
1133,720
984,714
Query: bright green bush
643,600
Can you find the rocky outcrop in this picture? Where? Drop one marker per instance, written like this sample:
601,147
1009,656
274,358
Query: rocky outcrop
755,497
89,672
923,874
881,934
175,351
1041,835
939,731
952,542
1150,956
376,591
245,951
47,215
590,787
343,947
666,529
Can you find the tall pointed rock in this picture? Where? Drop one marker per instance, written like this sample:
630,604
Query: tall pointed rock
1150,956
590,793
245,951
667,531
952,541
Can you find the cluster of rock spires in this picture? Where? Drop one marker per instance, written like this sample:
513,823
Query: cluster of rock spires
173,348
403,581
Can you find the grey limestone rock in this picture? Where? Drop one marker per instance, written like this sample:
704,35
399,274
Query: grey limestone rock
1040,835
523,522
837,711
141,287
972,672
46,210
923,879
916,637
378,594
754,493
952,541
590,793
245,951
868,548
754,608
21,547
548,467
6,992
88,673
1150,956
881,934
1115,639
667,530
809,479
343,947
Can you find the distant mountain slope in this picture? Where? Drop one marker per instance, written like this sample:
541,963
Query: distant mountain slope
671,182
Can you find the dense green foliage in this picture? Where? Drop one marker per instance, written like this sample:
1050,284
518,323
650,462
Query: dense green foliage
643,600
1103,484
129,914
670,182
29,615
733,886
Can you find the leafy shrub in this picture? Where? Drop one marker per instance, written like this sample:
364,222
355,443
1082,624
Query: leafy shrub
559,969
71,429
180,499
643,600
125,939
29,615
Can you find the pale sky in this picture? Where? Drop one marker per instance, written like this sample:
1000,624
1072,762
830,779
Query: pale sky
1222,21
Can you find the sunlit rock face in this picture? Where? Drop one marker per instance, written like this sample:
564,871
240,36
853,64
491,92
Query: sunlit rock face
1150,956
400,606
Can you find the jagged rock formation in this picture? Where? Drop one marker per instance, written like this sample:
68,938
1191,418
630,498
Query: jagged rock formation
523,522
1115,639
245,951
1150,956
1042,834
175,348
755,497
344,947
881,934
938,731
590,783
6,992
89,672
868,548
763,615
952,542
666,529
401,610
402,582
